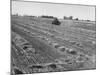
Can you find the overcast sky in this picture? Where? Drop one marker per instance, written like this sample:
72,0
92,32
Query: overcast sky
57,10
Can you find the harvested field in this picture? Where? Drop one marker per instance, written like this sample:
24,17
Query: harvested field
39,46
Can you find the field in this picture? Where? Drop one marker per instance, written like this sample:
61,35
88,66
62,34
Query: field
39,46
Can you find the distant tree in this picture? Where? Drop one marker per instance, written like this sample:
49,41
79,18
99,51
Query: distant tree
65,17
70,17
56,22
88,20
16,14
76,19
44,16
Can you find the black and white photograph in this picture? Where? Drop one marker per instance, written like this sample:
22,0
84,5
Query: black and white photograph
52,37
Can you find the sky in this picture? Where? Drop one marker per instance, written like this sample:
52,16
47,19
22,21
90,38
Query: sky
52,9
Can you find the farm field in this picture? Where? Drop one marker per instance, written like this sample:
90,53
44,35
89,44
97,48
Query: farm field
39,46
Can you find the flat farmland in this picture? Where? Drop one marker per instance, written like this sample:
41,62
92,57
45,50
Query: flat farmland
40,46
